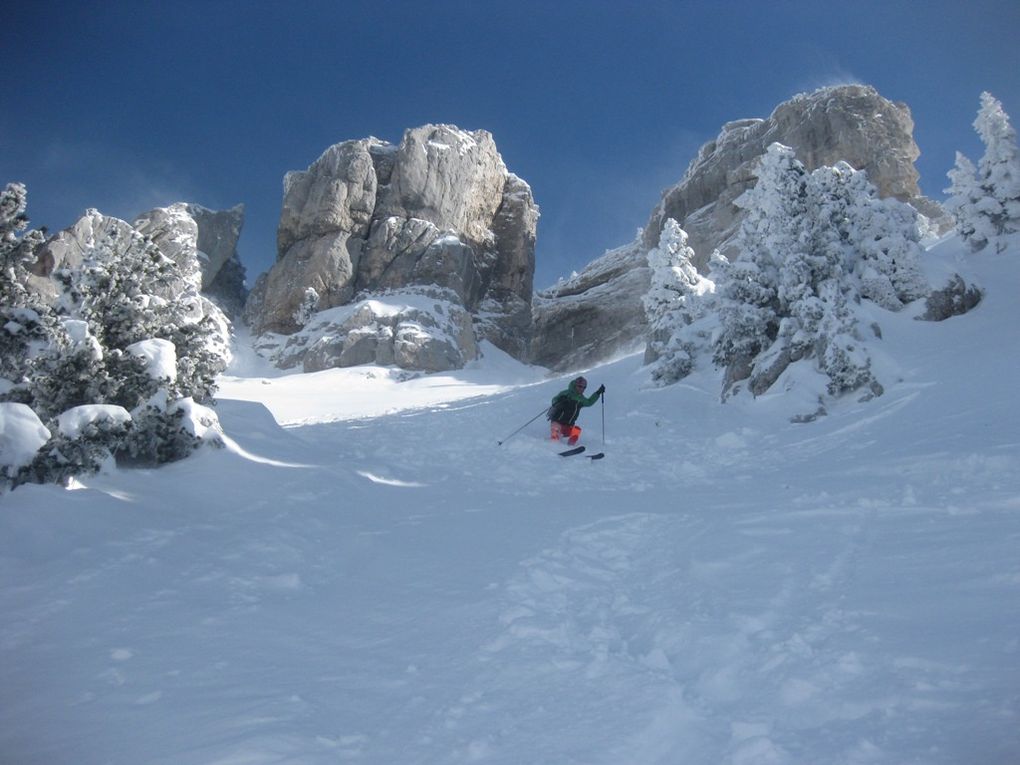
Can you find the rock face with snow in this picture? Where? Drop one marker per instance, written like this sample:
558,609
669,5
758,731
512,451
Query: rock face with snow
203,242
438,211
594,314
69,248
222,272
850,123
424,329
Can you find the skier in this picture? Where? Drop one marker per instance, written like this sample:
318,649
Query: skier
566,405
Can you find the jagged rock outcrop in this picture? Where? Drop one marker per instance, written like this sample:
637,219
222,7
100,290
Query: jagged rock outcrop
175,232
69,248
440,210
222,272
594,314
851,123
203,243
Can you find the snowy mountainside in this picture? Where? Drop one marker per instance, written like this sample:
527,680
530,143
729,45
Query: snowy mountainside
363,575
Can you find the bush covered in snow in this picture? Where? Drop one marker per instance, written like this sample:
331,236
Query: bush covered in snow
986,198
128,334
674,305
811,247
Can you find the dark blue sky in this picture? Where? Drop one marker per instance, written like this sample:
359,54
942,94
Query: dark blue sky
125,106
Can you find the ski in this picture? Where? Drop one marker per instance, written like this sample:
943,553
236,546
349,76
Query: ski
598,456
572,452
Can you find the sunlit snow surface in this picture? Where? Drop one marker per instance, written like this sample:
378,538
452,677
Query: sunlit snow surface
364,576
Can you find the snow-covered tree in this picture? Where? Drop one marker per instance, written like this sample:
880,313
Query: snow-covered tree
965,197
811,247
875,241
127,291
307,308
986,199
999,167
28,327
746,302
675,301
748,287
96,347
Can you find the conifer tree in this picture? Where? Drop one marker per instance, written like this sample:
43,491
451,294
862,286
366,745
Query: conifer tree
676,300
82,350
986,199
28,328
812,245
748,288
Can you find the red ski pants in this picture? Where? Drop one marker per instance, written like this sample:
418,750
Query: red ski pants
569,432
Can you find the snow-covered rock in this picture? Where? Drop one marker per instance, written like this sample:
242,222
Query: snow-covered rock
176,233
439,210
70,248
203,243
426,329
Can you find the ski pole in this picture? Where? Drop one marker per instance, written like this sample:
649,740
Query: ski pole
603,418
500,443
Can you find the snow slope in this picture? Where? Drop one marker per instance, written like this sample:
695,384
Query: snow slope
377,581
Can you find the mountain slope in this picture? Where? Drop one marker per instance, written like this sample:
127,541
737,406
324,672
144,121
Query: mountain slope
379,582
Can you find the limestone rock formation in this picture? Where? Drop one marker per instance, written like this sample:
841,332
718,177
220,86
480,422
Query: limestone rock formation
419,329
222,272
852,123
440,210
69,248
593,315
203,243
175,232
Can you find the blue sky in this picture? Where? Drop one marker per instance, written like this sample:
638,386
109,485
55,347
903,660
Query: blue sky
125,106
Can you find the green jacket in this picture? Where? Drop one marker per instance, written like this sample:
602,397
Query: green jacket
567,404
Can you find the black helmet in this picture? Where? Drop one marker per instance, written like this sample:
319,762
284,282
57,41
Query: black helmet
579,383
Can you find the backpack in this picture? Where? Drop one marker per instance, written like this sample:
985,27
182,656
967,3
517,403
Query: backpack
561,410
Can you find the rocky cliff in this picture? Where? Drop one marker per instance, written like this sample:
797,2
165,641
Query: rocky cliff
594,314
851,123
204,243
439,214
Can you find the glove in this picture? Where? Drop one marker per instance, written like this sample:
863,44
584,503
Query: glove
601,390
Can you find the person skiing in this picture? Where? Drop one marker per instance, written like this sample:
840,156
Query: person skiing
566,405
